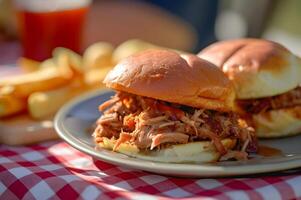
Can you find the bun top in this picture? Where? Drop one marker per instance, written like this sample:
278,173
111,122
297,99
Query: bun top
258,68
168,76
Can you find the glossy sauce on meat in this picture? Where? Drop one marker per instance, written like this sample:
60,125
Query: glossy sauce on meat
286,100
149,124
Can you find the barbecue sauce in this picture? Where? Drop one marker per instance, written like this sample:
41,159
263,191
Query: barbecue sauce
267,151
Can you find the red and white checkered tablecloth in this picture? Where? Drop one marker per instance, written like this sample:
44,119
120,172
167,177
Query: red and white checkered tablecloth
54,170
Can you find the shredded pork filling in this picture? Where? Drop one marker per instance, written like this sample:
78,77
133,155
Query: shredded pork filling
154,124
289,99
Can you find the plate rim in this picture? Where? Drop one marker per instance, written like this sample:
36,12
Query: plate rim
176,169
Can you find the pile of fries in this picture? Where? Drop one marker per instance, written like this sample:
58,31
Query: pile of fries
46,86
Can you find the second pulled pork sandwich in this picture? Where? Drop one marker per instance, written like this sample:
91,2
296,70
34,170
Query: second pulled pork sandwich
266,77
172,108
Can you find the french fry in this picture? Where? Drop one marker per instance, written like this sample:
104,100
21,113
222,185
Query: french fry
45,104
98,55
132,46
41,80
95,76
65,60
48,63
28,65
10,105
63,56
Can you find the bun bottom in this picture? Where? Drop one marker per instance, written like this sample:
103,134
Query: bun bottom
194,152
278,123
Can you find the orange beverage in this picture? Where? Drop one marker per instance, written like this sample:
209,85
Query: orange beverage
43,30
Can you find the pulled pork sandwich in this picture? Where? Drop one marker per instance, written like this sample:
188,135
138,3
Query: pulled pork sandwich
172,108
266,77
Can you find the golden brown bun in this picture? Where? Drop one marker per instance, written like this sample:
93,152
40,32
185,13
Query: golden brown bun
258,68
167,76
278,123
197,152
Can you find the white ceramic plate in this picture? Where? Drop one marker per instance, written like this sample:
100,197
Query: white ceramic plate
74,121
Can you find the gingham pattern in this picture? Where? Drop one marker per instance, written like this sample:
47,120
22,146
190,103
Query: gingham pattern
57,171
54,170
